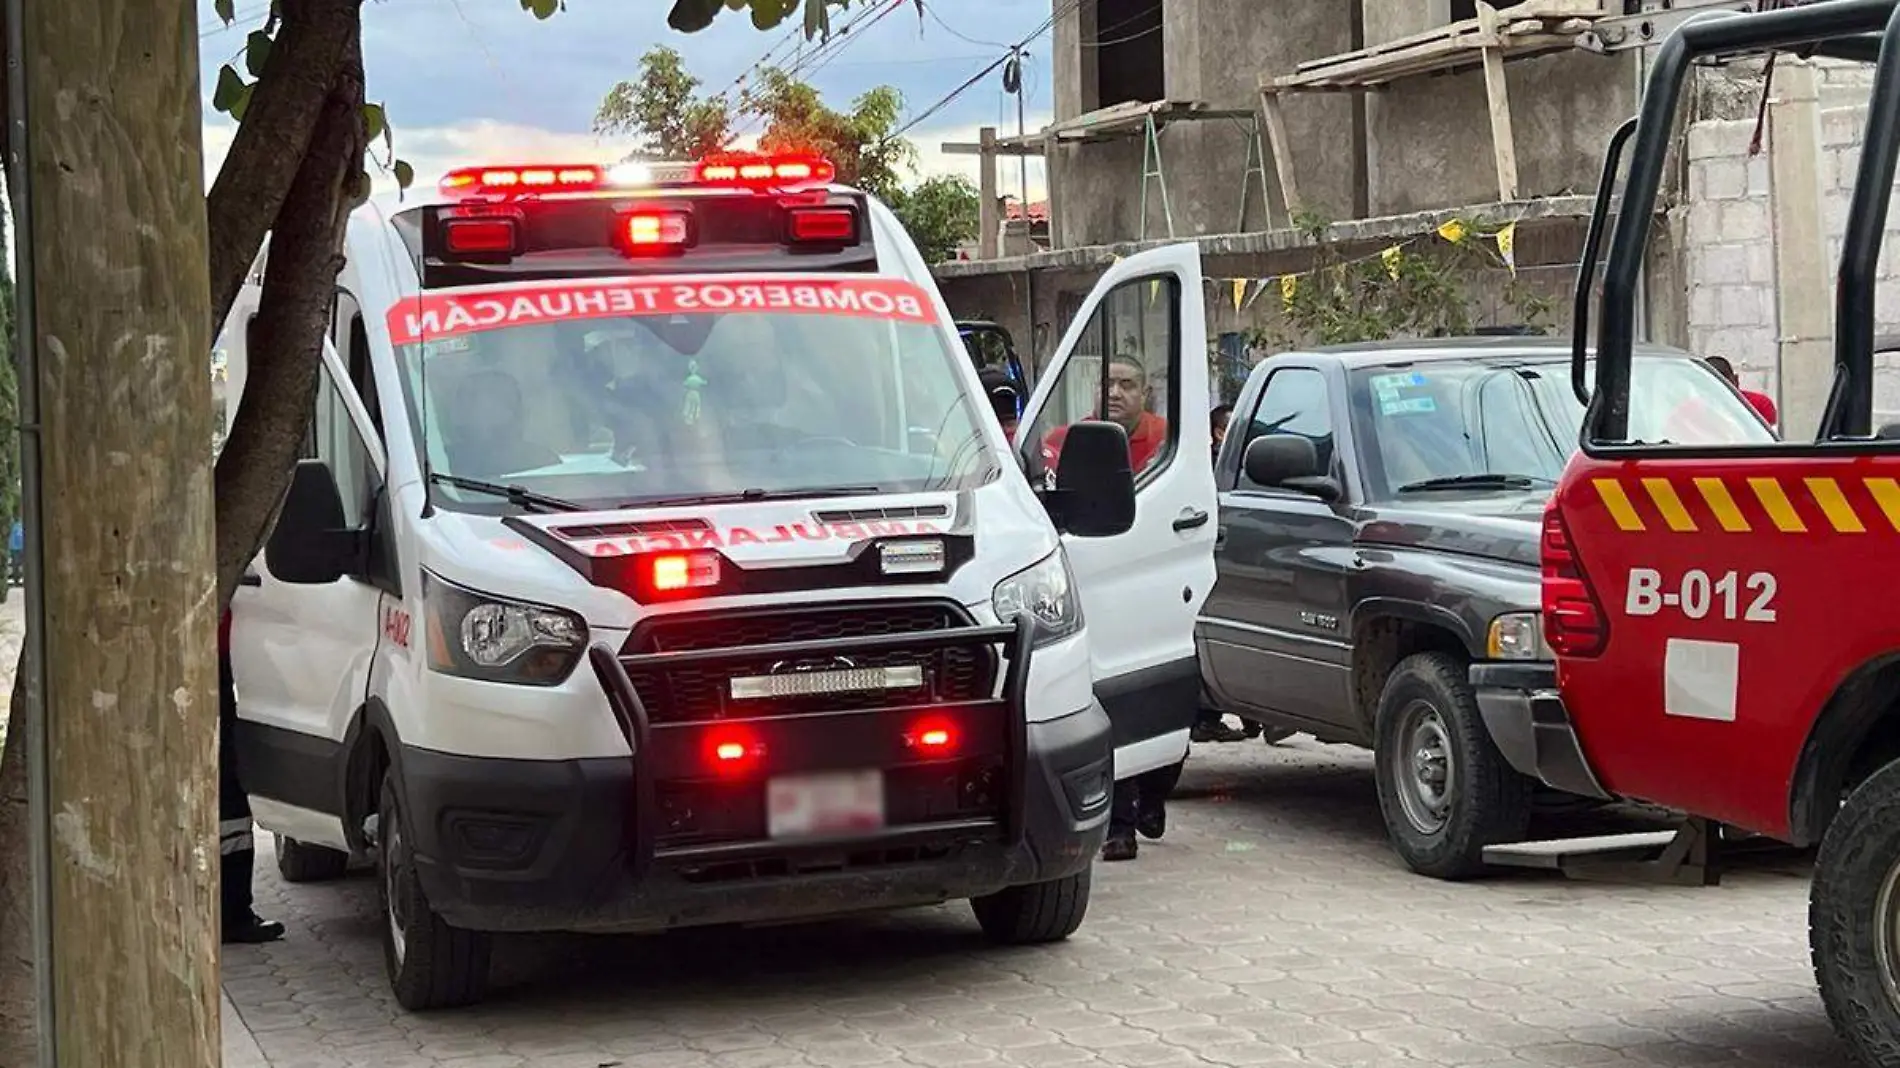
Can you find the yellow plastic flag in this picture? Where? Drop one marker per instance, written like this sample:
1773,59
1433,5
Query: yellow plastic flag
1240,292
1289,285
1154,292
1390,257
1452,231
1507,245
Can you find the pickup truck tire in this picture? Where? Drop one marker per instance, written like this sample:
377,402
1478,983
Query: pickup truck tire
1444,789
1037,913
1854,919
431,964
299,862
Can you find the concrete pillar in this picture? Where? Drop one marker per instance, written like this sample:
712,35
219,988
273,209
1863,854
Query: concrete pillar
1804,278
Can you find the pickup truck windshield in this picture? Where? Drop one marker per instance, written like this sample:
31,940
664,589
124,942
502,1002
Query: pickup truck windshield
676,403
1452,425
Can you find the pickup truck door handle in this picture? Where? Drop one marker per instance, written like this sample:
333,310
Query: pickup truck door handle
1190,519
250,578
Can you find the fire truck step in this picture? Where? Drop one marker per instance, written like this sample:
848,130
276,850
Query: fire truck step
1685,856
1556,854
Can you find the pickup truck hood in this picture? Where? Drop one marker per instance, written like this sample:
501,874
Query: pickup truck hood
1499,526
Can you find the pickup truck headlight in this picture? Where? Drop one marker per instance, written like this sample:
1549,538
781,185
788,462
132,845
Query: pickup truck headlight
1046,591
481,636
1518,636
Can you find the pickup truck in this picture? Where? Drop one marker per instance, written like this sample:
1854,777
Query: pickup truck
1378,539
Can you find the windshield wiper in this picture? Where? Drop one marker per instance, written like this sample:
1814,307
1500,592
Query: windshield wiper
515,495
747,496
1485,480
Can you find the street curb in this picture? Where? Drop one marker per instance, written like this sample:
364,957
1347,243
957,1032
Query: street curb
240,1048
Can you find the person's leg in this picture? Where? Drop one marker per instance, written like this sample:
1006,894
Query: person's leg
1152,789
1123,812
237,851
1211,726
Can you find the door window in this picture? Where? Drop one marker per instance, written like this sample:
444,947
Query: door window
1123,368
334,439
1294,402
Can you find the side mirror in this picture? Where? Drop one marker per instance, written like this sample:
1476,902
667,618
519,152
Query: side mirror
1288,461
1095,482
309,545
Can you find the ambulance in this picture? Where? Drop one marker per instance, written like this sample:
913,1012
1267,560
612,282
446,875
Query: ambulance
655,561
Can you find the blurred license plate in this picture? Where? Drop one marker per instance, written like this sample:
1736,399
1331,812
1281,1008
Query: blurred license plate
823,805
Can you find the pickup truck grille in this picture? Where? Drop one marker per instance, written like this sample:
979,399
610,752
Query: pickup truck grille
693,693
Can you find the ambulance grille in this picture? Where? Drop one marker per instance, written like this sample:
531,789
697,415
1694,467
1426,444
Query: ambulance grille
697,693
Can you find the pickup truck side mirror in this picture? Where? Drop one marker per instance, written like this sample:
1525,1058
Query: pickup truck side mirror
309,545
1095,482
1288,461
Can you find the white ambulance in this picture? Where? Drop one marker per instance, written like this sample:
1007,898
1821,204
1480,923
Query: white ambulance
656,561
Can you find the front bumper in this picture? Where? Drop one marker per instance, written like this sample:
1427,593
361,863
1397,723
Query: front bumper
1525,714
593,844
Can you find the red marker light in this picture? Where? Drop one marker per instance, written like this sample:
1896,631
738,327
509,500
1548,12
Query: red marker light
933,739
479,236
734,751
655,230
827,226
675,572
730,751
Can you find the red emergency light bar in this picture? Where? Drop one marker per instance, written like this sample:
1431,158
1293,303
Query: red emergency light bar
753,170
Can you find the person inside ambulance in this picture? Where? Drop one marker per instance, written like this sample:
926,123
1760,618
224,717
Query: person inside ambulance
1129,397
483,429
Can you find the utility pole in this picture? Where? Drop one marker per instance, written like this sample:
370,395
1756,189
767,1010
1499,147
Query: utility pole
116,412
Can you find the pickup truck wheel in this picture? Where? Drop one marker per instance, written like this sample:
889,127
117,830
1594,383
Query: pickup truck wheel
1037,913
431,965
1854,919
299,862
1444,789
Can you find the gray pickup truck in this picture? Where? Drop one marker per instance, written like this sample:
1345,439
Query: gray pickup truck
1380,514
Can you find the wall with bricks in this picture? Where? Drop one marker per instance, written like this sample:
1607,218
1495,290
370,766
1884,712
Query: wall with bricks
1730,250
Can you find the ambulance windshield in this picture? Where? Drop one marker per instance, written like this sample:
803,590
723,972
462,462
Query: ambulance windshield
621,393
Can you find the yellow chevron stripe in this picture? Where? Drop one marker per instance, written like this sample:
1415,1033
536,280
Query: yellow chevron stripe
1618,503
1886,494
1776,504
1670,505
1716,496
1827,493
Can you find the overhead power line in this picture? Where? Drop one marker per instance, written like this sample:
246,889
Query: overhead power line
971,82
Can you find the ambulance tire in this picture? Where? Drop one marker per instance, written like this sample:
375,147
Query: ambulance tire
1444,789
1859,866
1035,914
431,965
300,862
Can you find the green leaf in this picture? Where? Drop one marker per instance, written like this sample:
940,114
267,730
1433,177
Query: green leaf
541,9
229,91
692,16
375,124
243,102
817,19
256,52
227,10
405,174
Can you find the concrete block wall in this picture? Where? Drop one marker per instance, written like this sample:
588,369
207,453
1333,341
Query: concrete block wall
1730,247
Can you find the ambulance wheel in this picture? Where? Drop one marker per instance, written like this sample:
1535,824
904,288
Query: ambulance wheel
1034,914
1854,919
1444,789
431,965
299,862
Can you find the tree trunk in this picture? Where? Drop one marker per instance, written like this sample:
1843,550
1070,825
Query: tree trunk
121,330
286,343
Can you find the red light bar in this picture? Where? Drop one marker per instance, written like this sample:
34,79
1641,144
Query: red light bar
823,226
764,170
522,181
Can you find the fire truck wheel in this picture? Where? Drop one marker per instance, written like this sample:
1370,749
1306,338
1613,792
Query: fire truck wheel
431,965
1445,790
1854,919
299,862
1036,913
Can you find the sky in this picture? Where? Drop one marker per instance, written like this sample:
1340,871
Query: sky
482,81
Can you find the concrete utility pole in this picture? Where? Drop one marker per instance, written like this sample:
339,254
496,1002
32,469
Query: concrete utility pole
1804,279
116,341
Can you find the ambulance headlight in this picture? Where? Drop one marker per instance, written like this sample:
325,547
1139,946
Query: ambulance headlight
1518,636
495,639
1046,591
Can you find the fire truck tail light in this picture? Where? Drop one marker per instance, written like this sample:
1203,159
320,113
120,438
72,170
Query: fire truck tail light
823,226
676,572
1574,623
466,237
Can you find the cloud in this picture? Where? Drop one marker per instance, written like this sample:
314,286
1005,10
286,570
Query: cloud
435,150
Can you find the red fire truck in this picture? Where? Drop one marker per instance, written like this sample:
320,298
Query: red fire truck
1718,615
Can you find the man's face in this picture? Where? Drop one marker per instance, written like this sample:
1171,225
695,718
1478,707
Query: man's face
1127,393
1220,430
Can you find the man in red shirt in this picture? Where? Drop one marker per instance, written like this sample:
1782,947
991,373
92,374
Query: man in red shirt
1763,404
1128,398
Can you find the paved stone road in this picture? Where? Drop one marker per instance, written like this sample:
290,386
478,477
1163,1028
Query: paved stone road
1271,927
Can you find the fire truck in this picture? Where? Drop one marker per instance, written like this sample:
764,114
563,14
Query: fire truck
1720,640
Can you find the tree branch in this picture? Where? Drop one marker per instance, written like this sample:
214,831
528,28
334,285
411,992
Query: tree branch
285,347
275,137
